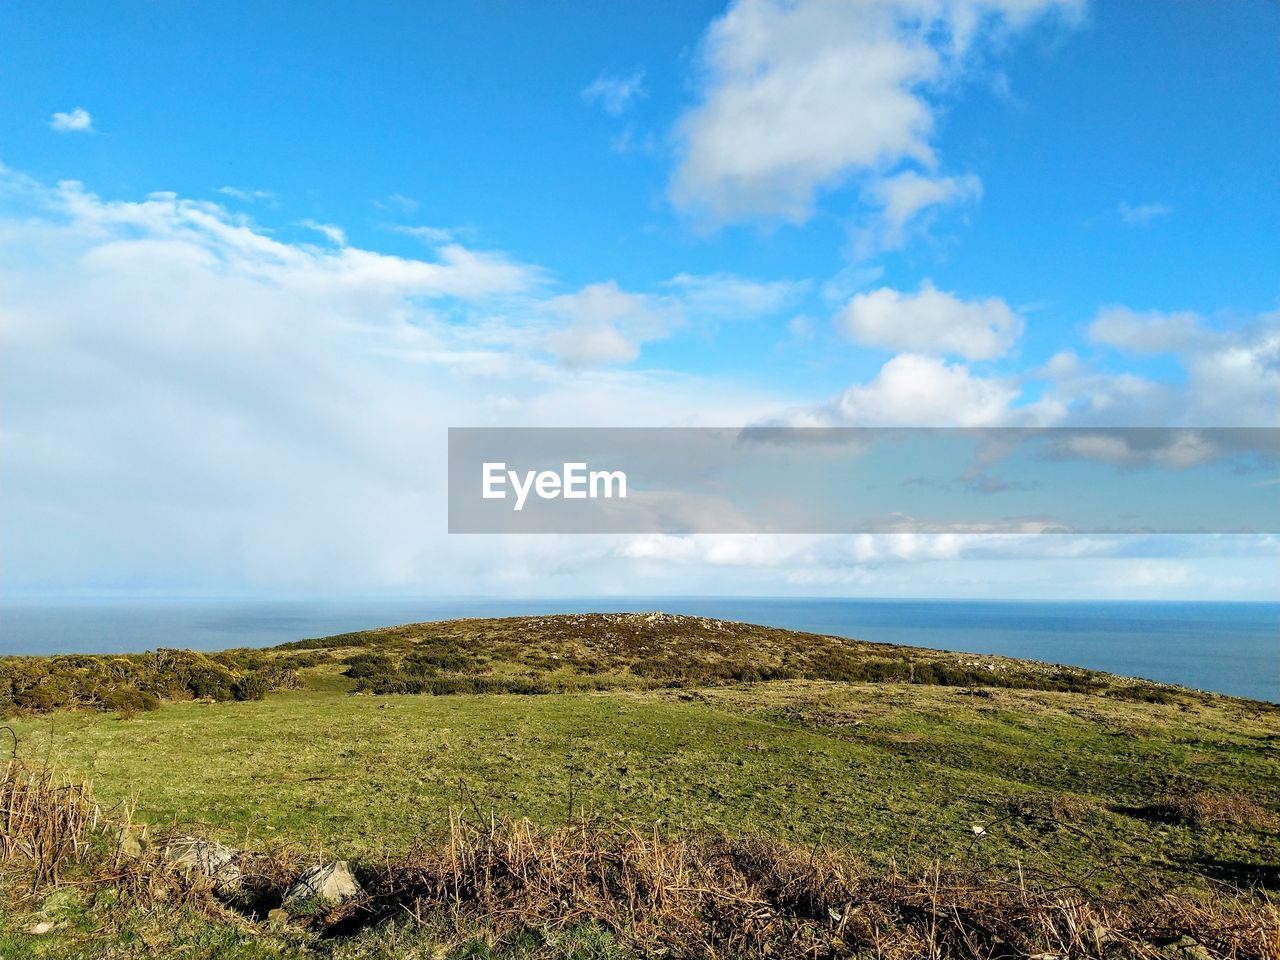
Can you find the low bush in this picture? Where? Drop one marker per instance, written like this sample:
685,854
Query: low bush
252,686
134,682
1205,809
129,701
361,666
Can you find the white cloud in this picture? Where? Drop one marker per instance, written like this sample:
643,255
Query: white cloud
246,196
800,95
932,321
334,234
1176,451
1231,374
1144,332
433,236
605,325
1142,214
730,297
191,403
915,390
902,198
1233,379
78,120
615,94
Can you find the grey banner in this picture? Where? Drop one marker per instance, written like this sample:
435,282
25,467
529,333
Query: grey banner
864,480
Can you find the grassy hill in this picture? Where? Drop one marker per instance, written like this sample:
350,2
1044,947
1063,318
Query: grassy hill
897,758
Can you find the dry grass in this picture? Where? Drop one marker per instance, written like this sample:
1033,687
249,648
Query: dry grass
1210,810
699,895
1060,807
45,819
718,896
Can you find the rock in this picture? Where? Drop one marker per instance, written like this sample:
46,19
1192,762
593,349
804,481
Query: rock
133,842
41,928
208,858
332,882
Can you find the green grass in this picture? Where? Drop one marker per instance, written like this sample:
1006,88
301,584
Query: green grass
891,771
1062,781
104,928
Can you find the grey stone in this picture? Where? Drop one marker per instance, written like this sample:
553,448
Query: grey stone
208,858
133,842
332,882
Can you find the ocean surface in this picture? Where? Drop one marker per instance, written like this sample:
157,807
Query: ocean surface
1225,647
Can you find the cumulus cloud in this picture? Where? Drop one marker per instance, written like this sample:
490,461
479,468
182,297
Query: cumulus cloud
78,120
613,93
915,390
1231,374
800,95
1233,379
931,321
1227,376
192,402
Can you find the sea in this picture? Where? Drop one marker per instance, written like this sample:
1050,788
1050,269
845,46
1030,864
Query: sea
1231,648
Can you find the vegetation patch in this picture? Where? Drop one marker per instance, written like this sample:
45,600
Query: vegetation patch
536,655
722,781
1204,809
129,683
589,889
657,650
1059,807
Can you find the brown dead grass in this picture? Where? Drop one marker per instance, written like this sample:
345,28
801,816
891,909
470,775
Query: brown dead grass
720,896
45,819
1061,807
1210,810
679,896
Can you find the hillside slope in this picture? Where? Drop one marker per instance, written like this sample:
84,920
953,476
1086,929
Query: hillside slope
896,757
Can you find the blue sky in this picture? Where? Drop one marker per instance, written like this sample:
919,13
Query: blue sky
314,236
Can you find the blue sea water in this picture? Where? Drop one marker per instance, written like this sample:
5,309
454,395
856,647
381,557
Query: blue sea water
1225,647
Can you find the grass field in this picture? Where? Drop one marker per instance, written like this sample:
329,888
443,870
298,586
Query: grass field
1082,787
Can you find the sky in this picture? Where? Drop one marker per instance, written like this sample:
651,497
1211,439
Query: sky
256,259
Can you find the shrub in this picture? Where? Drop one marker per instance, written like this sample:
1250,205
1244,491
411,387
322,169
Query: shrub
1143,693
129,700
252,686
435,662
51,694
364,665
